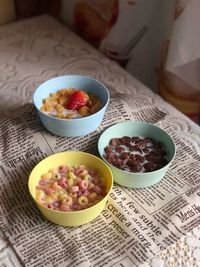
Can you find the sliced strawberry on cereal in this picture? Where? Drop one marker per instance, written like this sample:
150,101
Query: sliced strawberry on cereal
77,100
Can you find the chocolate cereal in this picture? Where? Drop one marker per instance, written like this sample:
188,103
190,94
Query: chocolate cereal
135,154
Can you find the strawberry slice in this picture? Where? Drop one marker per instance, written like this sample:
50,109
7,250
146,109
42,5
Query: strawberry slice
77,100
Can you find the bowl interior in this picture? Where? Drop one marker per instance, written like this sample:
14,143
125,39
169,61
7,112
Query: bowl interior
79,82
136,128
72,158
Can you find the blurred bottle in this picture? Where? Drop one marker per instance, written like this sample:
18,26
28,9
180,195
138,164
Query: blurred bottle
7,11
177,92
180,61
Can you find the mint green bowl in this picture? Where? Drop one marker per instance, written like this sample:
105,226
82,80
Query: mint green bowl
137,128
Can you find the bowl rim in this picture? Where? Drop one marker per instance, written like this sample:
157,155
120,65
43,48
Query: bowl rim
74,119
138,173
77,211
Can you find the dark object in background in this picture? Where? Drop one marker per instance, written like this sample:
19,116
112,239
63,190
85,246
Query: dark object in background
25,9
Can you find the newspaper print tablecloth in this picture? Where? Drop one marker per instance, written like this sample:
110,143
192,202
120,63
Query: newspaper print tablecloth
40,48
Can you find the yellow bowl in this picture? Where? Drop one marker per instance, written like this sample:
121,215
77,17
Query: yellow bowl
71,158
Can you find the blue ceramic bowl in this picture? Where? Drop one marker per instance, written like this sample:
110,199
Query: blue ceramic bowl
77,126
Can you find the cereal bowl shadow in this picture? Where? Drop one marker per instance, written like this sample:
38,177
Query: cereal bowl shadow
71,158
141,129
78,126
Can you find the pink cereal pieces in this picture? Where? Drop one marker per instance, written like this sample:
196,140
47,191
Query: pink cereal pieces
68,188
